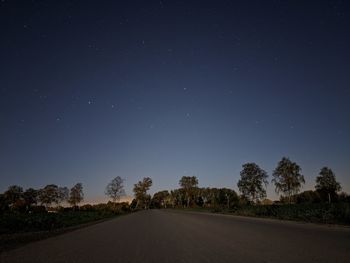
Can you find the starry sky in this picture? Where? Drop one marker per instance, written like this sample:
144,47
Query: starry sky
90,90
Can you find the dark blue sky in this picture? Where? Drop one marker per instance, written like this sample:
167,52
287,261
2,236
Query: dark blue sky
94,89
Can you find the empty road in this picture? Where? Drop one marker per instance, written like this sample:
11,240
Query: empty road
175,236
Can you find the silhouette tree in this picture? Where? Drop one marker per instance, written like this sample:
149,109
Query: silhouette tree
189,184
161,199
3,203
326,183
76,194
48,195
30,197
227,197
62,194
288,178
115,189
213,196
253,182
14,196
140,191
177,197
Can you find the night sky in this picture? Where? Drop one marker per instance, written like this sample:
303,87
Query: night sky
90,90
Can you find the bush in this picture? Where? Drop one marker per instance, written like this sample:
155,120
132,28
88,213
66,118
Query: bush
337,213
40,220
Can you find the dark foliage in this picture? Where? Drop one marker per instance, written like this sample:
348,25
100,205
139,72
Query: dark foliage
11,222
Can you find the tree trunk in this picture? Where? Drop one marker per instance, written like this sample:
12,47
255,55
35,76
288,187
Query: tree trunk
329,197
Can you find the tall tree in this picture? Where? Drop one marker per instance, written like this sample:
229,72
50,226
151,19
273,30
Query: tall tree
76,194
48,195
253,182
30,197
227,197
213,195
189,184
115,189
177,197
327,184
288,178
140,191
62,194
161,199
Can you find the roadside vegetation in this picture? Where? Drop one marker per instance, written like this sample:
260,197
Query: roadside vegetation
34,210
41,209
325,204
34,214
15,222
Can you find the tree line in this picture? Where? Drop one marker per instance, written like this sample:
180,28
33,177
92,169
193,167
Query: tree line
287,178
288,181
15,198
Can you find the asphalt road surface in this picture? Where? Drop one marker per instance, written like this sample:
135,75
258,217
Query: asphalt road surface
175,236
